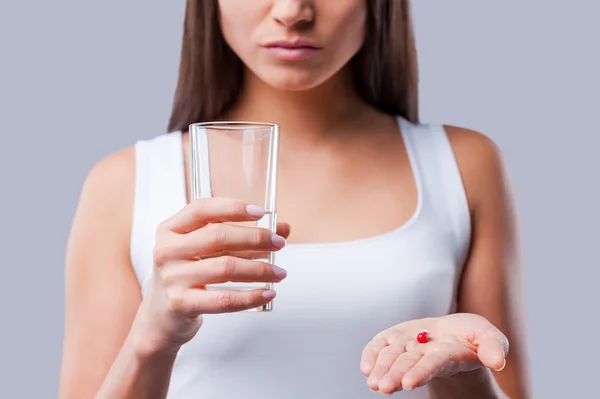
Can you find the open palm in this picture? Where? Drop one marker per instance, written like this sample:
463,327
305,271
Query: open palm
394,360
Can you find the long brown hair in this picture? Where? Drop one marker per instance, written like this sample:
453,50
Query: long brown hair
210,74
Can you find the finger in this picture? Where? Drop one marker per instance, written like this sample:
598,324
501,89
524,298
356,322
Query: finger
386,358
221,237
203,211
251,255
392,381
492,348
283,229
195,302
370,353
222,270
432,364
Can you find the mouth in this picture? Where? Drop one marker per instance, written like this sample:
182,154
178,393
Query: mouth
292,50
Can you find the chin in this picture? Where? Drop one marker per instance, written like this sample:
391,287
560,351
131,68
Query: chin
293,80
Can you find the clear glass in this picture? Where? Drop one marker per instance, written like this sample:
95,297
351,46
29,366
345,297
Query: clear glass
238,160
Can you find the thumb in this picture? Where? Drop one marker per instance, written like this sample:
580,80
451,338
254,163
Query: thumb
283,229
492,348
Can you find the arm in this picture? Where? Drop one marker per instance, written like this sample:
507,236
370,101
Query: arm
491,284
102,294
118,346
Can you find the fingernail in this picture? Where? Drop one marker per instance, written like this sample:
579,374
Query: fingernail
255,211
279,272
269,294
278,241
503,365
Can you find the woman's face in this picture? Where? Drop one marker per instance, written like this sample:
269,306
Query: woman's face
294,44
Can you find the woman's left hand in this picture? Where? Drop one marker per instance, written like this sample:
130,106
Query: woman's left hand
395,360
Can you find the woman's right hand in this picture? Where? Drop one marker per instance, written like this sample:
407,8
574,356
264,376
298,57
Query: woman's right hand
195,248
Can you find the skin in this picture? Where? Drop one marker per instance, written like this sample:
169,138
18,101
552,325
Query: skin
325,128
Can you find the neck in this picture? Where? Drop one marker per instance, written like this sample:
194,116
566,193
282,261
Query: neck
304,116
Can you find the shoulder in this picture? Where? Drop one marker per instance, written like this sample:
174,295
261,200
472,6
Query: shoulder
111,183
111,174
480,161
112,178
108,190
476,152
102,219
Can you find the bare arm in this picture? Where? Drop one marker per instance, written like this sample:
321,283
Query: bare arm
491,285
102,294
116,344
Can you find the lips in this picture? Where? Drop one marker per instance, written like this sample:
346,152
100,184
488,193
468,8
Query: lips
292,50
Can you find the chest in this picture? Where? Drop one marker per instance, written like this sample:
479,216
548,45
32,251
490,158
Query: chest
326,205
340,194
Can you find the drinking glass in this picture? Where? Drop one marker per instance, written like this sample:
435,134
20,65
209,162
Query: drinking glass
238,160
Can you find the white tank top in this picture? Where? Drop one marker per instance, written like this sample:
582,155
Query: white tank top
337,295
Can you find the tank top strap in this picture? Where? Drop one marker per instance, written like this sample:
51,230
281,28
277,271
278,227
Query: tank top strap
160,192
440,181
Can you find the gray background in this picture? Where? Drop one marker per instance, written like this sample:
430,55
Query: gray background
81,79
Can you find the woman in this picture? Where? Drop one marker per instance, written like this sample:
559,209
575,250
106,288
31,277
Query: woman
398,227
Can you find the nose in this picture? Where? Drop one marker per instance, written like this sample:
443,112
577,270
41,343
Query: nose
293,13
